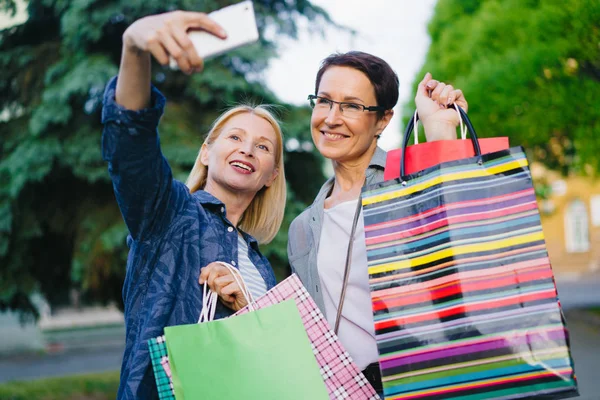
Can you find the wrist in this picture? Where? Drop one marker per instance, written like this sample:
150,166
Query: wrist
439,130
130,47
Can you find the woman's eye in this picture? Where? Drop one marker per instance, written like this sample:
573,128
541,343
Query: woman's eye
234,137
352,106
263,147
323,101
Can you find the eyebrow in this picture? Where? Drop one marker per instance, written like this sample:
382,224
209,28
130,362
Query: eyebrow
267,139
346,98
235,128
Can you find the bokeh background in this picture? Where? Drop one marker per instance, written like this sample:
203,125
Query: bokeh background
530,70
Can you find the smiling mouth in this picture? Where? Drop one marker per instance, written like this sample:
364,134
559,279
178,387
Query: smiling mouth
334,136
241,165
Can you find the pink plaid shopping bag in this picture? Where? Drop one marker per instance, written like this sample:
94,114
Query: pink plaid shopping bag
342,377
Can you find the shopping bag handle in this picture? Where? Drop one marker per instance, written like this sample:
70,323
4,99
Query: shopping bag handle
411,124
210,298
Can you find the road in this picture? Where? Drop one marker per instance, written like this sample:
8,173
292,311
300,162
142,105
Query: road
72,362
579,294
585,348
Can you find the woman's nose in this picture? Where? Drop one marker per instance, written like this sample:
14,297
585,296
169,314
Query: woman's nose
247,149
334,115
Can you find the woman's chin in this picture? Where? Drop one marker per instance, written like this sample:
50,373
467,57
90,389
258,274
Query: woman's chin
332,152
242,187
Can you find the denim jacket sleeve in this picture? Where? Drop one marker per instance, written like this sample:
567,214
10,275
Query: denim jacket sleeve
146,192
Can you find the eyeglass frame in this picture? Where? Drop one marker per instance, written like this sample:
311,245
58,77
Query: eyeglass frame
312,97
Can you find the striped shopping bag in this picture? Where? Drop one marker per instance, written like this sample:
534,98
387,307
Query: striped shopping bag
464,300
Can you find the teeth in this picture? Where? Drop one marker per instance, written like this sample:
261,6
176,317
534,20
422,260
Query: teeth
334,135
244,166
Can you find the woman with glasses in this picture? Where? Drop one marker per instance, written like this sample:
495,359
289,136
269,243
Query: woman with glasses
354,96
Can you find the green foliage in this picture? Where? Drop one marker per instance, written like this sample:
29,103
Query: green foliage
102,386
60,228
530,71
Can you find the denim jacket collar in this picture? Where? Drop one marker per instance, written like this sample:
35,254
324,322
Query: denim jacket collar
207,199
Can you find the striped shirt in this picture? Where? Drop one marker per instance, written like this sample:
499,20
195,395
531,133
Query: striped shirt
254,281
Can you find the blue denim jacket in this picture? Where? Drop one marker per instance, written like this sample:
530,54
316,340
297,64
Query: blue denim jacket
173,234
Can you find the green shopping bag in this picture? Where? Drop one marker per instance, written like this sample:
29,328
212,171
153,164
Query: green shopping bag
264,354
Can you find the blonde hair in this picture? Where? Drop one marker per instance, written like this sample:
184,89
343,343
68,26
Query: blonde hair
262,219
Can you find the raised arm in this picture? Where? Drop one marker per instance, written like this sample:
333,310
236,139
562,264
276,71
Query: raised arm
434,101
159,36
144,187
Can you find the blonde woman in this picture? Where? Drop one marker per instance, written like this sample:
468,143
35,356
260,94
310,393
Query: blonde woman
233,200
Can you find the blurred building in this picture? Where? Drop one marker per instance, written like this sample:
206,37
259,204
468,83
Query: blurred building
570,213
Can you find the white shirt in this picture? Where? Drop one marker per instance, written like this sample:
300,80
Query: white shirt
357,331
254,281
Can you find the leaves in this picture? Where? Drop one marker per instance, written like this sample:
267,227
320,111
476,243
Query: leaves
530,71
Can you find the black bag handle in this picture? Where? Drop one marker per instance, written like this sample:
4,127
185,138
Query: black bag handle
410,127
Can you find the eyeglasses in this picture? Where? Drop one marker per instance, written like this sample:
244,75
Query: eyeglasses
351,110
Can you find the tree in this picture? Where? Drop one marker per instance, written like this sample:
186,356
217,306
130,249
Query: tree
530,70
60,228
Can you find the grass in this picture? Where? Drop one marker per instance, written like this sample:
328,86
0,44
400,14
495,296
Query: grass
101,386
594,310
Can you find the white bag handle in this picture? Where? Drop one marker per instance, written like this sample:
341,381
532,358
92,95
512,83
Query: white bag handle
463,128
210,298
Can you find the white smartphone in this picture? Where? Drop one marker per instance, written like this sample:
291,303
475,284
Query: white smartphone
238,21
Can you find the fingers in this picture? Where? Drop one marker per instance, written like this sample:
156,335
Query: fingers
216,276
221,281
185,21
443,98
204,272
192,58
176,51
158,52
170,36
226,288
444,95
232,296
202,21
230,288
459,98
210,272
437,92
425,85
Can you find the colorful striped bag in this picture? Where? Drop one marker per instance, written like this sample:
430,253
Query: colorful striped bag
464,300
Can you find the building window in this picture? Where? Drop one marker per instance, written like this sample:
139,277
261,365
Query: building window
577,235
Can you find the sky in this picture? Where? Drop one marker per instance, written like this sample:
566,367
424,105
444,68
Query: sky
395,30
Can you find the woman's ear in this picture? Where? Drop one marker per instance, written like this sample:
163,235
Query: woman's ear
270,181
383,122
204,154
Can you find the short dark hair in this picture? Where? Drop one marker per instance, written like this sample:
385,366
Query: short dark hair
382,76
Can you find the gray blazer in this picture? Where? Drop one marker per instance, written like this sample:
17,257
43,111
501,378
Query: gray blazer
305,232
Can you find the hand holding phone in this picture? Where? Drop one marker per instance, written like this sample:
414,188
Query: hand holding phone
237,20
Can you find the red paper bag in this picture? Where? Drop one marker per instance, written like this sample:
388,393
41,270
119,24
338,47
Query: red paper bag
425,155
